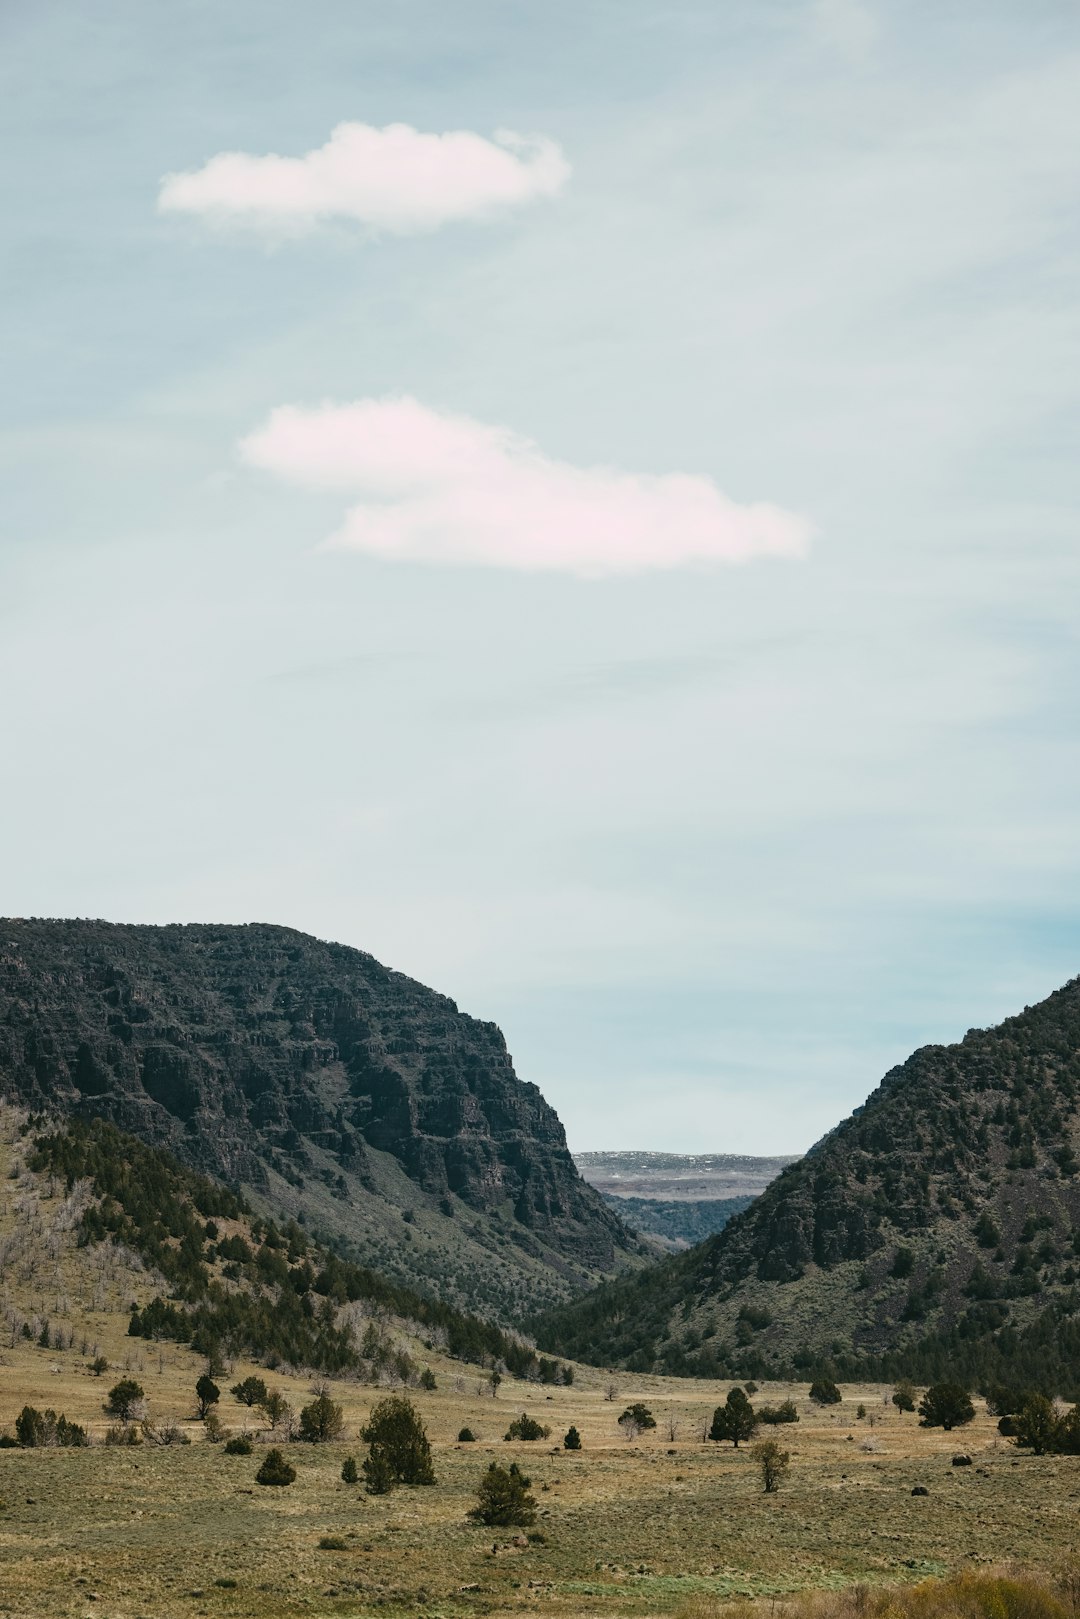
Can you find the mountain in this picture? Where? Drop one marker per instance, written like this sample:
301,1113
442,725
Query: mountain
678,1224
936,1230
677,1198
324,1086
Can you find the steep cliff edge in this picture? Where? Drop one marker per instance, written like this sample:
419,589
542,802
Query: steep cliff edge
332,1088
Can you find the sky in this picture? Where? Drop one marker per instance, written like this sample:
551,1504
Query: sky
579,501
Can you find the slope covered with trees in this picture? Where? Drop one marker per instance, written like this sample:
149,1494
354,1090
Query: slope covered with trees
320,1083
936,1229
239,1284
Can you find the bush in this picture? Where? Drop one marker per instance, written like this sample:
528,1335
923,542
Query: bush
399,1452
503,1499
275,1469
322,1420
251,1391
238,1446
123,1433
1038,1428
572,1439
637,1418
35,1428
125,1399
333,1543
98,1365
773,1462
526,1427
466,1437
427,1379
903,1396
775,1415
945,1405
349,1470
823,1391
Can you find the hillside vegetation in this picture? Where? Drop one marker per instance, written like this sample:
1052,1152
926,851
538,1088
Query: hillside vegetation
225,1281
936,1231
320,1084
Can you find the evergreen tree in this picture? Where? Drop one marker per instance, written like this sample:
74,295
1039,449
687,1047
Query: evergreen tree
250,1392
945,1405
734,1420
503,1499
572,1439
124,1399
399,1452
526,1427
903,1396
322,1420
275,1469
349,1471
207,1394
823,1391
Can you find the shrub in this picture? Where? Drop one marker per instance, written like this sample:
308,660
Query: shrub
823,1391
98,1365
213,1428
466,1437
945,1405
276,1407
502,1499
399,1452
238,1446
125,1399
526,1427
275,1469
378,1474
773,1462
903,1396
123,1433
35,1428
637,1418
775,1415
322,1420
251,1391
572,1439
332,1543
427,1379
207,1394
350,1473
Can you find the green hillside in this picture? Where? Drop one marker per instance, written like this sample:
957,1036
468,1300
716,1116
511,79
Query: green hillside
937,1228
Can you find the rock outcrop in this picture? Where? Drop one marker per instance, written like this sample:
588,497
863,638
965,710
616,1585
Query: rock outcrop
310,1072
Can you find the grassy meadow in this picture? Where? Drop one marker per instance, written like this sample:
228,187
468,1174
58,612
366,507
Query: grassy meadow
666,1523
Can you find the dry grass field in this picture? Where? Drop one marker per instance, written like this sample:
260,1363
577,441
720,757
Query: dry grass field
664,1523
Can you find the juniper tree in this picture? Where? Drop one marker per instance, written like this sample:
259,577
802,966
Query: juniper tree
503,1499
398,1448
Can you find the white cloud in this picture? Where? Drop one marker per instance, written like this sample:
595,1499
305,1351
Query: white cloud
394,179
435,487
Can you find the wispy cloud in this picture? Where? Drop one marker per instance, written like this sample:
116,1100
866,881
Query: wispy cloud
435,487
395,179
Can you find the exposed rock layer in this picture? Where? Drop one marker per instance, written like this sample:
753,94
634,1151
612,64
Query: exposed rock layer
255,1052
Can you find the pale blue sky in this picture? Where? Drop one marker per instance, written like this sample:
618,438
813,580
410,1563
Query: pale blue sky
716,845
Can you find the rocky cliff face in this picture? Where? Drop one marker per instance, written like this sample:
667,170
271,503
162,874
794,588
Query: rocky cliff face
315,1075
937,1229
